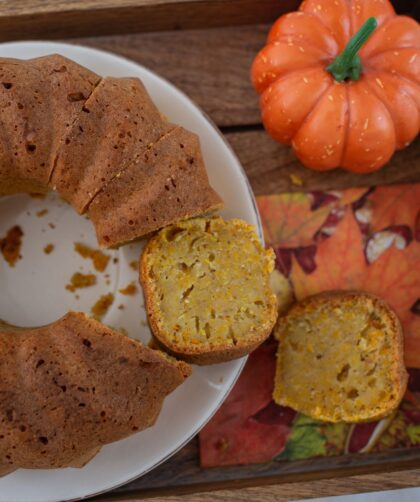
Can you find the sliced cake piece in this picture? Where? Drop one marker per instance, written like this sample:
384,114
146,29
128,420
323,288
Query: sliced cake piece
70,387
340,358
25,134
207,289
39,100
69,86
167,183
117,123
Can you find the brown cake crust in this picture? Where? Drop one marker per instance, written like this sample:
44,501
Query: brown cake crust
116,124
70,387
39,100
167,183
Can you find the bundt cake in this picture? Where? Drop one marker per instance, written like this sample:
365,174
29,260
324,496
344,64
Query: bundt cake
101,143
207,289
70,387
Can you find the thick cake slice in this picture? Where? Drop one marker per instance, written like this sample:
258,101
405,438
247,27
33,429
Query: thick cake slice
340,358
207,289
167,183
116,124
39,100
70,387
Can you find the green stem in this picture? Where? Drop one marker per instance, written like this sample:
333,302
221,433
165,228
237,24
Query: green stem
348,65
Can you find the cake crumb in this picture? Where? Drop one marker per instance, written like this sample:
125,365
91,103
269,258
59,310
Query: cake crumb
10,246
38,195
51,225
42,213
79,281
121,307
115,260
296,180
102,305
49,248
130,289
123,331
134,265
100,260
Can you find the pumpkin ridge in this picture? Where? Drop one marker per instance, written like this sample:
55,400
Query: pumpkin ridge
396,75
310,111
374,91
286,75
321,22
346,127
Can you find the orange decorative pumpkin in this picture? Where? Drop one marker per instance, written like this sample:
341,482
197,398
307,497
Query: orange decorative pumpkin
340,81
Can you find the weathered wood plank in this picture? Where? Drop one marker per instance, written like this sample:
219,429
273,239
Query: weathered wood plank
292,491
182,473
28,19
211,66
269,167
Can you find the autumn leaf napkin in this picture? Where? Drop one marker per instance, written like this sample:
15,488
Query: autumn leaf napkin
364,238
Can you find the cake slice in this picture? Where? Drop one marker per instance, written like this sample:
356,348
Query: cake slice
116,124
39,100
207,289
165,184
340,358
68,388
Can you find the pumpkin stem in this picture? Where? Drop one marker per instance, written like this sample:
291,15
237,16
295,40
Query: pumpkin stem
348,65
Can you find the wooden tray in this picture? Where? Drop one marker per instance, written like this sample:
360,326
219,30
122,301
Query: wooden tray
212,67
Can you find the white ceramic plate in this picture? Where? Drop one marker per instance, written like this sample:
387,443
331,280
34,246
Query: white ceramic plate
33,292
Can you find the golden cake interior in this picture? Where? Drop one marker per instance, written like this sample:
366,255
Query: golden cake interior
340,360
210,282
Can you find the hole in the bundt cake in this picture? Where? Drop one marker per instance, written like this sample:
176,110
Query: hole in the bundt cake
213,313
40,363
371,371
81,389
183,266
123,360
87,343
63,388
7,85
186,293
103,413
352,393
81,129
181,145
43,439
258,302
67,141
30,147
82,405
207,330
130,222
371,382
344,373
106,238
190,160
197,324
9,415
62,69
167,188
22,428
134,428
20,106
173,232
75,96
86,110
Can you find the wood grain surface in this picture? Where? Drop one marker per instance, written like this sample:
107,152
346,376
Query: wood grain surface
291,491
29,19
